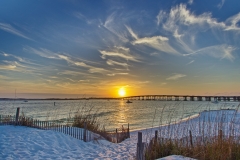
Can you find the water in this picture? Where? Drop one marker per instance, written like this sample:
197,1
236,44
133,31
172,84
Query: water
114,113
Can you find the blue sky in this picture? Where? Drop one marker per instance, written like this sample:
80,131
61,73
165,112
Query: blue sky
94,48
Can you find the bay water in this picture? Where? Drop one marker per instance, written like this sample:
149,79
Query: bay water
113,113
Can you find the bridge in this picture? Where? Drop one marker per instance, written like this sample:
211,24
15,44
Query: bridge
183,98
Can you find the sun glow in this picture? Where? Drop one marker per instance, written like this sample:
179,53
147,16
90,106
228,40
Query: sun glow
121,92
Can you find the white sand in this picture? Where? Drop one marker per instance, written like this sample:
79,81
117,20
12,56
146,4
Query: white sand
29,143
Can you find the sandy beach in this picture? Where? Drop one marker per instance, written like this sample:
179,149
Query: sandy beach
17,142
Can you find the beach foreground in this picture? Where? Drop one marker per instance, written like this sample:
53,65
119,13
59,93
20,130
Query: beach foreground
17,142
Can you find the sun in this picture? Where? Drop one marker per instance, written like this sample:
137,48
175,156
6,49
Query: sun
121,92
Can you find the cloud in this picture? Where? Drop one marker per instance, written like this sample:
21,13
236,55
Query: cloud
70,79
98,70
10,55
72,73
72,61
115,27
114,74
185,27
158,42
179,38
8,28
131,32
233,22
190,62
221,4
117,54
180,16
17,66
190,2
8,67
42,52
218,51
161,16
176,76
112,63
92,69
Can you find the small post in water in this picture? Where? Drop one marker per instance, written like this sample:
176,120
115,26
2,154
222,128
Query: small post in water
116,136
17,115
128,131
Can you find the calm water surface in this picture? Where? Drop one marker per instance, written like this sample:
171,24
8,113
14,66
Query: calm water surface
114,113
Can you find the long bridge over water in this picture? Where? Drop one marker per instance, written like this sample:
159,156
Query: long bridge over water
183,98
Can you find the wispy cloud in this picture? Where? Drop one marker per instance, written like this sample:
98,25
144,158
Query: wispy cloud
71,61
190,62
10,55
218,51
8,28
186,25
112,63
82,64
180,17
114,27
161,16
221,4
158,42
190,2
134,35
176,76
98,70
20,59
8,67
233,22
114,74
123,55
72,73
42,52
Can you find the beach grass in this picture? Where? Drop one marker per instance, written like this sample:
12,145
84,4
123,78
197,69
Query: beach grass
88,117
212,135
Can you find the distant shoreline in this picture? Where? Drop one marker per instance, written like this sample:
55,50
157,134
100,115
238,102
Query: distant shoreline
30,99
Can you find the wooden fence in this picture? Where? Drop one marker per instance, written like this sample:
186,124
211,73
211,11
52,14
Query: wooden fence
84,134
118,135
78,133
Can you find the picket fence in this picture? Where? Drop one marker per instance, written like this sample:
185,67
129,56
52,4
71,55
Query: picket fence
78,133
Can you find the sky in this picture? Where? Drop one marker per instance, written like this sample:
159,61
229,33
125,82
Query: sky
88,48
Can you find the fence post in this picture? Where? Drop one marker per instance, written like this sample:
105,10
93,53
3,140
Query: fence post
128,131
139,147
190,134
156,135
17,115
85,132
220,136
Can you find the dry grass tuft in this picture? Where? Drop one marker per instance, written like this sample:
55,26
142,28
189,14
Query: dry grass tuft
207,137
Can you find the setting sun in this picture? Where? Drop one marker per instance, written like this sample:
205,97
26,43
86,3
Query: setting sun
121,92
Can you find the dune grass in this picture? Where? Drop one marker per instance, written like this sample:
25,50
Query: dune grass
207,137
89,117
